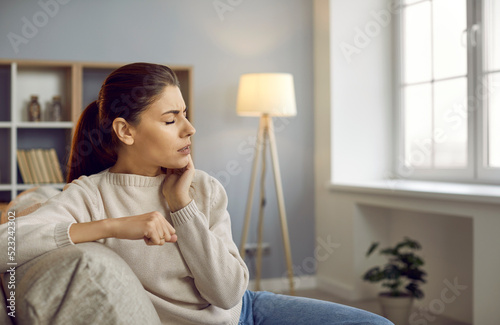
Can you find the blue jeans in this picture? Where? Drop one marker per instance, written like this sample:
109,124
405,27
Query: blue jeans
264,307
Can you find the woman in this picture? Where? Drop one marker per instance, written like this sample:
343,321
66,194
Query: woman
131,180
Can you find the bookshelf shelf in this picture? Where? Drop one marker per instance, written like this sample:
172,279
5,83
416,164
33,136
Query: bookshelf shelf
45,125
77,83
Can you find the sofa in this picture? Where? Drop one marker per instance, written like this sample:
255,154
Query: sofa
85,283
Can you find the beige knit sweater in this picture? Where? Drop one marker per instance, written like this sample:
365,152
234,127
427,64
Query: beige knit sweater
198,280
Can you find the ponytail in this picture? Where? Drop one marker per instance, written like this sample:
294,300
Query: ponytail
90,149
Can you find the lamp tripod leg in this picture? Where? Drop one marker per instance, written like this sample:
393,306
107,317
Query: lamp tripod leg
258,149
262,203
281,202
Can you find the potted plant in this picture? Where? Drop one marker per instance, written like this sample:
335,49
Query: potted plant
402,275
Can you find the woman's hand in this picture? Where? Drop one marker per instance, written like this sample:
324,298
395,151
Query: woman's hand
176,186
151,226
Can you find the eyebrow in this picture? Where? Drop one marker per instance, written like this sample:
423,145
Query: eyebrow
174,111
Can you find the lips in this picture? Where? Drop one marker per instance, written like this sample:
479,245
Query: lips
185,149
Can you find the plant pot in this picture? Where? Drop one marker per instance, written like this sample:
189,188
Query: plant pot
396,309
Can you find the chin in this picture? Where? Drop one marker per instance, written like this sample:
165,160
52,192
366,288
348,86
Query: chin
177,165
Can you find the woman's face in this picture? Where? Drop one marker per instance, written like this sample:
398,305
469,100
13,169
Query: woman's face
162,137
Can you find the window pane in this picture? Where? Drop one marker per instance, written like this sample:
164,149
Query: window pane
450,123
492,37
418,126
417,43
449,23
494,121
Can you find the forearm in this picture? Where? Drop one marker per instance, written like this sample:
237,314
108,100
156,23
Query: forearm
91,231
151,227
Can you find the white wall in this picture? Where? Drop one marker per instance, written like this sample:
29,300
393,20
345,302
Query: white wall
353,106
246,36
362,60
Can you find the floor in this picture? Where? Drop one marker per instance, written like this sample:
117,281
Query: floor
370,305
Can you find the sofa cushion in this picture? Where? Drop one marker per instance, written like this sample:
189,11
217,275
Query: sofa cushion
86,283
28,201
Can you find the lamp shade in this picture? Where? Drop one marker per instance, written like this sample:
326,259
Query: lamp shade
266,93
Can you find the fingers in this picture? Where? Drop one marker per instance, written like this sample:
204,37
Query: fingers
171,232
160,230
154,238
189,169
190,164
166,232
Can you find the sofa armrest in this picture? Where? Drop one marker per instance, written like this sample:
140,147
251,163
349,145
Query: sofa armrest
86,283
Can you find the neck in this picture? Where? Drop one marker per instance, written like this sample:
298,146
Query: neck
127,166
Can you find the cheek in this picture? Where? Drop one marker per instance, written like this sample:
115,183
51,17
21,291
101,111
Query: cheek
162,140
158,141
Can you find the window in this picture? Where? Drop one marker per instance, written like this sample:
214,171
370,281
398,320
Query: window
450,90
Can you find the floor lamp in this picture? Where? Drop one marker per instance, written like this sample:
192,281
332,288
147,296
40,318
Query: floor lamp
266,95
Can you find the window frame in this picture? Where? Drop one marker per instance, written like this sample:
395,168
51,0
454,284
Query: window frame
484,173
476,170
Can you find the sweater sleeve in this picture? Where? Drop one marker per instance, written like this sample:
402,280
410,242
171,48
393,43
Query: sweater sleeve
219,273
47,228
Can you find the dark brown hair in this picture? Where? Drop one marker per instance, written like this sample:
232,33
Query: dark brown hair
126,92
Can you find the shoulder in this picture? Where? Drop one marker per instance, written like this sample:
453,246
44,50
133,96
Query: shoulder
207,188
87,183
203,180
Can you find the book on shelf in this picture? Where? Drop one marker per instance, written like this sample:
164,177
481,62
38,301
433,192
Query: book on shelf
23,166
56,166
35,167
32,178
43,167
39,166
50,168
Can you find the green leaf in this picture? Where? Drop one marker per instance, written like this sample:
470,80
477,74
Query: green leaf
415,290
392,272
375,274
371,249
388,251
413,244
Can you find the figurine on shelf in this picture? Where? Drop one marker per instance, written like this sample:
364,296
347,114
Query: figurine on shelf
55,109
34,109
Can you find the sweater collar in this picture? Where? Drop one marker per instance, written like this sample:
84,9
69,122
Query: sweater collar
133,179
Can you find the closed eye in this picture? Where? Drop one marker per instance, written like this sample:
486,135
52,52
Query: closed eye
184,112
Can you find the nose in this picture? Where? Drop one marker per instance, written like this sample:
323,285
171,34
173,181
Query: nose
189,129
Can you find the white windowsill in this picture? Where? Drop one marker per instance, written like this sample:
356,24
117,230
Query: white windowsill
423,189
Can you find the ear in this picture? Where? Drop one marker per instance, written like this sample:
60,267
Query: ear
124,131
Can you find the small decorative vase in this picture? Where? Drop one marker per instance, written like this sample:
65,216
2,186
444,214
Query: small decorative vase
396,309
55,109
34,109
